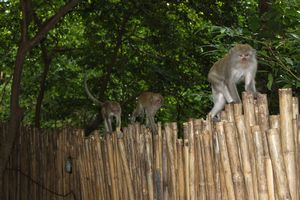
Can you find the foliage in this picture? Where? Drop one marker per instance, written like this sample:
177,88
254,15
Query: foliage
165,46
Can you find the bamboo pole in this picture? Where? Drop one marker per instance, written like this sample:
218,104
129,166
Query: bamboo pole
149,172
209,168
171,161
186,169
287,138
260,167
190,136
180,177
278,164
245,155
229,112
249,114
263,119
216,168
225,160
232,146
128,184
200,169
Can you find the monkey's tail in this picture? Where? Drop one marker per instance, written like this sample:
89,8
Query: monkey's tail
94,99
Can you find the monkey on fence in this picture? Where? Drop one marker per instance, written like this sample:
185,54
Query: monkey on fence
109,110
239,64
148,103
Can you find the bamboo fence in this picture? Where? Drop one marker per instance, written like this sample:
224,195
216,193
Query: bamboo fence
249,154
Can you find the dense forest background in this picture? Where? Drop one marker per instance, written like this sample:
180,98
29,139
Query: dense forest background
126,47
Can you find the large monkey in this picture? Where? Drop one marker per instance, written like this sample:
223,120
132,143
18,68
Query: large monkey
239,64
109,109
148,103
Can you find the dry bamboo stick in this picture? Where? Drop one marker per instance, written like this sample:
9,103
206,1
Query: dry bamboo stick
186,168
165,167
263,119
190,133
260,167
171,162
232,146
287,138
208,166
216,168
278,164
149,173
238,109
225,160
180,177
202,190
229,112
128,184
157,166
249,114
245,155
114,193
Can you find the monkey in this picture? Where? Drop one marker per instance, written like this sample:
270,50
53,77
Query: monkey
148,103
109,109
240,64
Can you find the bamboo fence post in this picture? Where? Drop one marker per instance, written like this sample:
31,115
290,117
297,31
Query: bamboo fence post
209,168
238,109
232,146
157,166
114,192
287,137
245,155
190,137
216,168
263,119
295,130
180,177
278,164
186,168
225,160
201,195
149,173
165,167
124,162
260,167
275,121
171,161
229,112
249,115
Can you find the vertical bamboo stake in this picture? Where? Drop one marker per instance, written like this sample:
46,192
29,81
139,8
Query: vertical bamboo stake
114,192
238,109
263,119
216,168
245,155
232,146
129,184
229,112
149,173
202,190
295,130
260,167
275,121
278,164
190,134
225,160
287,137
209,165
249,114
186,168
180,177
165,167
171,162
157,166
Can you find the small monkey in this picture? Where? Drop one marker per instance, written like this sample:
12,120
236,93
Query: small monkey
147,103
109,109
239,64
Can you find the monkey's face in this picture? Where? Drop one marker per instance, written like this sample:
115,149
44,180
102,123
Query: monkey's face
243,53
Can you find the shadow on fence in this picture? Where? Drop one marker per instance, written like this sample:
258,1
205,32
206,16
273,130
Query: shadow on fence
248,155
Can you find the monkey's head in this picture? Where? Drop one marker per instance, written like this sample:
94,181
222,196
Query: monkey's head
242,53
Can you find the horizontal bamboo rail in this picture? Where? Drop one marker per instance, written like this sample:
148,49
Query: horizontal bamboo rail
249,154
